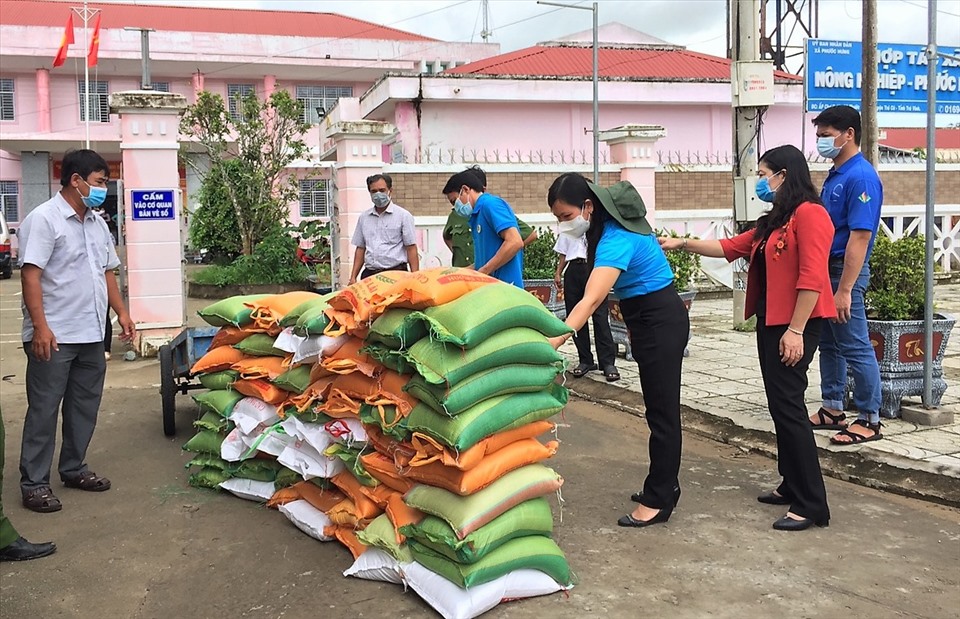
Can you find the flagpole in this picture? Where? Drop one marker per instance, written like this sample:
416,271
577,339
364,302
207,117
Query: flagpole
86,72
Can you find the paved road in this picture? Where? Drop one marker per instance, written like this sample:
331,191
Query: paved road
154,547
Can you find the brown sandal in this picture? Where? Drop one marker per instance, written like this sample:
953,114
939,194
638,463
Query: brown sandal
89,481
42,500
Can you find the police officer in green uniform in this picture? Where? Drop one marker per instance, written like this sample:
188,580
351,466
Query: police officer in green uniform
12,546
456,232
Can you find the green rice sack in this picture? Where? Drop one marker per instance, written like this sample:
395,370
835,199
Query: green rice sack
294,315
531,517
208,477
295,379
380,533
534,552
230,311
513,378
312,322
259,345
486,311
440,362
212,421
220,402
389,357
219,380
205,442
398,329
494,415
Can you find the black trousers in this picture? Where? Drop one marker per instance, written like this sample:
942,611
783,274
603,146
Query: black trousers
658,324
108,333
367,271
574,284
785,386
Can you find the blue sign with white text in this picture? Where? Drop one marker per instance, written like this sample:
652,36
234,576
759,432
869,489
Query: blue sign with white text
834,74
152,204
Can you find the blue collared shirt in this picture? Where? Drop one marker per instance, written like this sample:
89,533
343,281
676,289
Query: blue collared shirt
642,264
74,255
853,195
490,217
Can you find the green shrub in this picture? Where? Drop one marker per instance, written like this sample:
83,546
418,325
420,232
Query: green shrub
539,259
896,290
684,264
273,261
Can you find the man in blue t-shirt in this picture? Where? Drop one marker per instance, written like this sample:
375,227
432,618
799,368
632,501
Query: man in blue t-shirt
853,195
497,246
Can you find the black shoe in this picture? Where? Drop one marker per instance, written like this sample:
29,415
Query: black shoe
629,521
772,498
22,550
789,524
637,497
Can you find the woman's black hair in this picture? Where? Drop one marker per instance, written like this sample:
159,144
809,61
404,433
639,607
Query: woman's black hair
572,188
797,187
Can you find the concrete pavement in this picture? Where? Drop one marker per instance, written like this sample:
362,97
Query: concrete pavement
723,398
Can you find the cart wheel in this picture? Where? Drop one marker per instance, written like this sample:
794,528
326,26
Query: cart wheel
168,391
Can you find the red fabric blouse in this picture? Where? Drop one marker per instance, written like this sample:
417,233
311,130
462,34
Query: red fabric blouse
797,256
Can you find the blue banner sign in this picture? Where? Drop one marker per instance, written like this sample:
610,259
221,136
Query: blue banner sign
152,204
834,74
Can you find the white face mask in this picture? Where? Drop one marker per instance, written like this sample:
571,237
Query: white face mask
576,227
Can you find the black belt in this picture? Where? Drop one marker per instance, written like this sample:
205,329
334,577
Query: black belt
577,261
367,271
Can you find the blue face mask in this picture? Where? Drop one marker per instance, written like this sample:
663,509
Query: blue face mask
96,197
462,208
827,148
763,190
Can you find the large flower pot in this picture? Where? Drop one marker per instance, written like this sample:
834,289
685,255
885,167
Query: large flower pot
546,291
899,349
619,328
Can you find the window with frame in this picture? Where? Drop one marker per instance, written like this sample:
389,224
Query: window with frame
236,93
160,86
10,200
314,198
7,105
99,98
313,97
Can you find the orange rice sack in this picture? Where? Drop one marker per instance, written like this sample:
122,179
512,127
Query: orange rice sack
217,360
401,515
323,499
269,311
261,389
366,509
347,537
346,394
427,450
490,469
260,367
228,336
390,391
357,305
383,469
348,358
284,496
314,396
432,287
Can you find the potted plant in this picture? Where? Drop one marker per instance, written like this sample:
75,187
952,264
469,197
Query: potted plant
539,267
895,306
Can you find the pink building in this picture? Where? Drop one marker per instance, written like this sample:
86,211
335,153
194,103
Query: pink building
317,57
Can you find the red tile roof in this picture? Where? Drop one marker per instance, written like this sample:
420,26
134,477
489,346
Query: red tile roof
198,19
642,63
910,138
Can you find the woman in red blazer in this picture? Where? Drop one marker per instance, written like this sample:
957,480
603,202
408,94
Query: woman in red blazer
788,289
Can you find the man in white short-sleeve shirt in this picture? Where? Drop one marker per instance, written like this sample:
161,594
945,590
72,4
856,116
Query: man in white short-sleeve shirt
385,236
67,259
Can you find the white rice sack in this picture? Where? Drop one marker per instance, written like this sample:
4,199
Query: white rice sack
313,433
453,602
252,415
301,457
307,518
311,349
249,489
268,441
347,431
288,341
375,564
233,448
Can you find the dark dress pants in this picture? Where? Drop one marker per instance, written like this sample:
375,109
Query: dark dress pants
658,324
574,285
785,387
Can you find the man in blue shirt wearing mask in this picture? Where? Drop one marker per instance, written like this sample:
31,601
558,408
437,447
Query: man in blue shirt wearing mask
853,195
497,245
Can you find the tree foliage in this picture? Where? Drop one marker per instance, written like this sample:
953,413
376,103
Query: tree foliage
897,269
249,156
539,259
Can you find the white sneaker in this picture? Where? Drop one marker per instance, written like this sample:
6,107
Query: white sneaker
106,355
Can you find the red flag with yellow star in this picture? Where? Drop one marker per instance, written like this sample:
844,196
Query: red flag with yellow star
94,44
65,42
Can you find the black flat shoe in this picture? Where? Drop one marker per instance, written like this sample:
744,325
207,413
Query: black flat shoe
22,550
789,524
637,497
582,369
629,521
772,498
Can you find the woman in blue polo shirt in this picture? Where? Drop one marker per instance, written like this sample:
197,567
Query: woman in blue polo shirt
624,255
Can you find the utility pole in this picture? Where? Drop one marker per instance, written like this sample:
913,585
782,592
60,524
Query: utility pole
145,82
486,33
868,93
